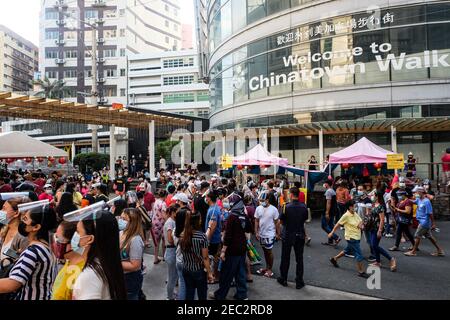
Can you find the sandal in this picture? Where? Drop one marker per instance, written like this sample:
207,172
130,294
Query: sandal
394,248
157,261
268,275
438,254
410,254
261,271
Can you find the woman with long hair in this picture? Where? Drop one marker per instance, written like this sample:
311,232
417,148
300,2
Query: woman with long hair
77,197
170,255
194,247
132,251
97,241
32,276
73,262
60,187
65,205
158,219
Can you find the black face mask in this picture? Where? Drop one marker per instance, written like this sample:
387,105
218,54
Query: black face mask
22,229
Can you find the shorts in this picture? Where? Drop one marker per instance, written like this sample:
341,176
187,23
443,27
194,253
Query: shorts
354,248
213,249
422,231
267,243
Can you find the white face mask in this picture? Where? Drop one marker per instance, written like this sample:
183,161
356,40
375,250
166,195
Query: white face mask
49,191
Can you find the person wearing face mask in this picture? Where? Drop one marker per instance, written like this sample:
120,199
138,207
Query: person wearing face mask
97,241
410,166
170,256
374,223
74,263
200,204
47,194
267,230
132,251
32,276
424,215
330,212
60,187
403,210
10,238
353,225
213,227
158,219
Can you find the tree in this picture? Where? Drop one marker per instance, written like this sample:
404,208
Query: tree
51,90
164,148
94,161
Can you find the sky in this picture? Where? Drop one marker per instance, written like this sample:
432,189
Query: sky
22,16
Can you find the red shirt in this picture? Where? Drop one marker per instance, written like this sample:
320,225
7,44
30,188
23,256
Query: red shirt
169,200
6,188
301,197
44,196
446,166
149,199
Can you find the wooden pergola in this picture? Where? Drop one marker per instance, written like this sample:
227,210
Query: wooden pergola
29,107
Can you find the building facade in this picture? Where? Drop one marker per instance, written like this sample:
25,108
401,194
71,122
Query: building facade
168,81
19,60
324,64
187,36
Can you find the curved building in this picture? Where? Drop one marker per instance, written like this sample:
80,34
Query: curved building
326,72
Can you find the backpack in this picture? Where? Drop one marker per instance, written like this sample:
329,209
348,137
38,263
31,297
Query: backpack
146,221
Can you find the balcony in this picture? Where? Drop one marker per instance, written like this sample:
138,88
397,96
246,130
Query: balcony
99,3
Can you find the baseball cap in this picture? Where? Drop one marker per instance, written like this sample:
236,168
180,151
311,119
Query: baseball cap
181,197
47,186
418,189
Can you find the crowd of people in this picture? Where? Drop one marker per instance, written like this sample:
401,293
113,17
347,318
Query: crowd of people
203,228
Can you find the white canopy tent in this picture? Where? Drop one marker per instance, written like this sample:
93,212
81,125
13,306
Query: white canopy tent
19,145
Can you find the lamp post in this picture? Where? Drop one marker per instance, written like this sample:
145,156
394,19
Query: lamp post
94,90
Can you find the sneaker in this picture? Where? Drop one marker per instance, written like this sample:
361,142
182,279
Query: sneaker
349,256
282,282
236,298
371,259
308,241
363,275
299,286
394,248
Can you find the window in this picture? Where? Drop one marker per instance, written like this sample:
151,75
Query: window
175,27
110,13
88,73
109,53
166,7
91,14
111,92
177,63
175,12
167,23
109,73
122,52
203,96
110,34
70,35
51,74
167,39
51,35
177,80
121,12
239,15
179,97
51,15
71,54
256,9
122,72
274,6
122,32
123,92
87,54
51,55
70,74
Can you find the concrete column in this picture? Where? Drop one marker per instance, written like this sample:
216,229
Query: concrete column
151,149
224,144
112,152
394,139
183,153
321,150
73,150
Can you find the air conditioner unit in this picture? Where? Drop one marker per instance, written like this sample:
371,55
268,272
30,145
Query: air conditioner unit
60,61
101,60
59,41
99,3
60,3
60,22
101,80
101,40
100,20
102,100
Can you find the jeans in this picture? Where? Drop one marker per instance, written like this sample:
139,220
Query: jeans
196,280
171,260
375,245
328,227
387,225
181,283
233,268
340,212
354,247
401,227
367,236
298,243
133,284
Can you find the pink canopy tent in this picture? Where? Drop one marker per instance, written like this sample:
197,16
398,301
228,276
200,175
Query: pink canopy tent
362,151
259,156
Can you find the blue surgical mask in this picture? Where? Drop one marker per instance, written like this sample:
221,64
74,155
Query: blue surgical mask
226,205
264,204
360,193
122,224
75,244
4,218
417,196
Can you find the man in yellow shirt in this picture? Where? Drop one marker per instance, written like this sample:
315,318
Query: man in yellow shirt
353,225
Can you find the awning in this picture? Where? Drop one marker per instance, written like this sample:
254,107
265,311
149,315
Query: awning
259,156
362,151
18,145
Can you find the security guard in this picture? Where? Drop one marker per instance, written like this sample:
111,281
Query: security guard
293,218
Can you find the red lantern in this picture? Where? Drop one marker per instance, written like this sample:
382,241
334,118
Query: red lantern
378,166
51,159
345,166
40,159
28,160
240,167
62,160
10,160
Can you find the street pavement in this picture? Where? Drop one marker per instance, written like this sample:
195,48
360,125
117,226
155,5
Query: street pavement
420,277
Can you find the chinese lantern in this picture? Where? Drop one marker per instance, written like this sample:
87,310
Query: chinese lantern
40,159
62,160
378,166
51,159
28,160
240,167
345,166
10,160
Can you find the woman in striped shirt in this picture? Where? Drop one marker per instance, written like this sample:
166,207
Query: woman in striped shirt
32,276
194,247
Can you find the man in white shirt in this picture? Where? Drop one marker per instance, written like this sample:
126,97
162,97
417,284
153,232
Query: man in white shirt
267,230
